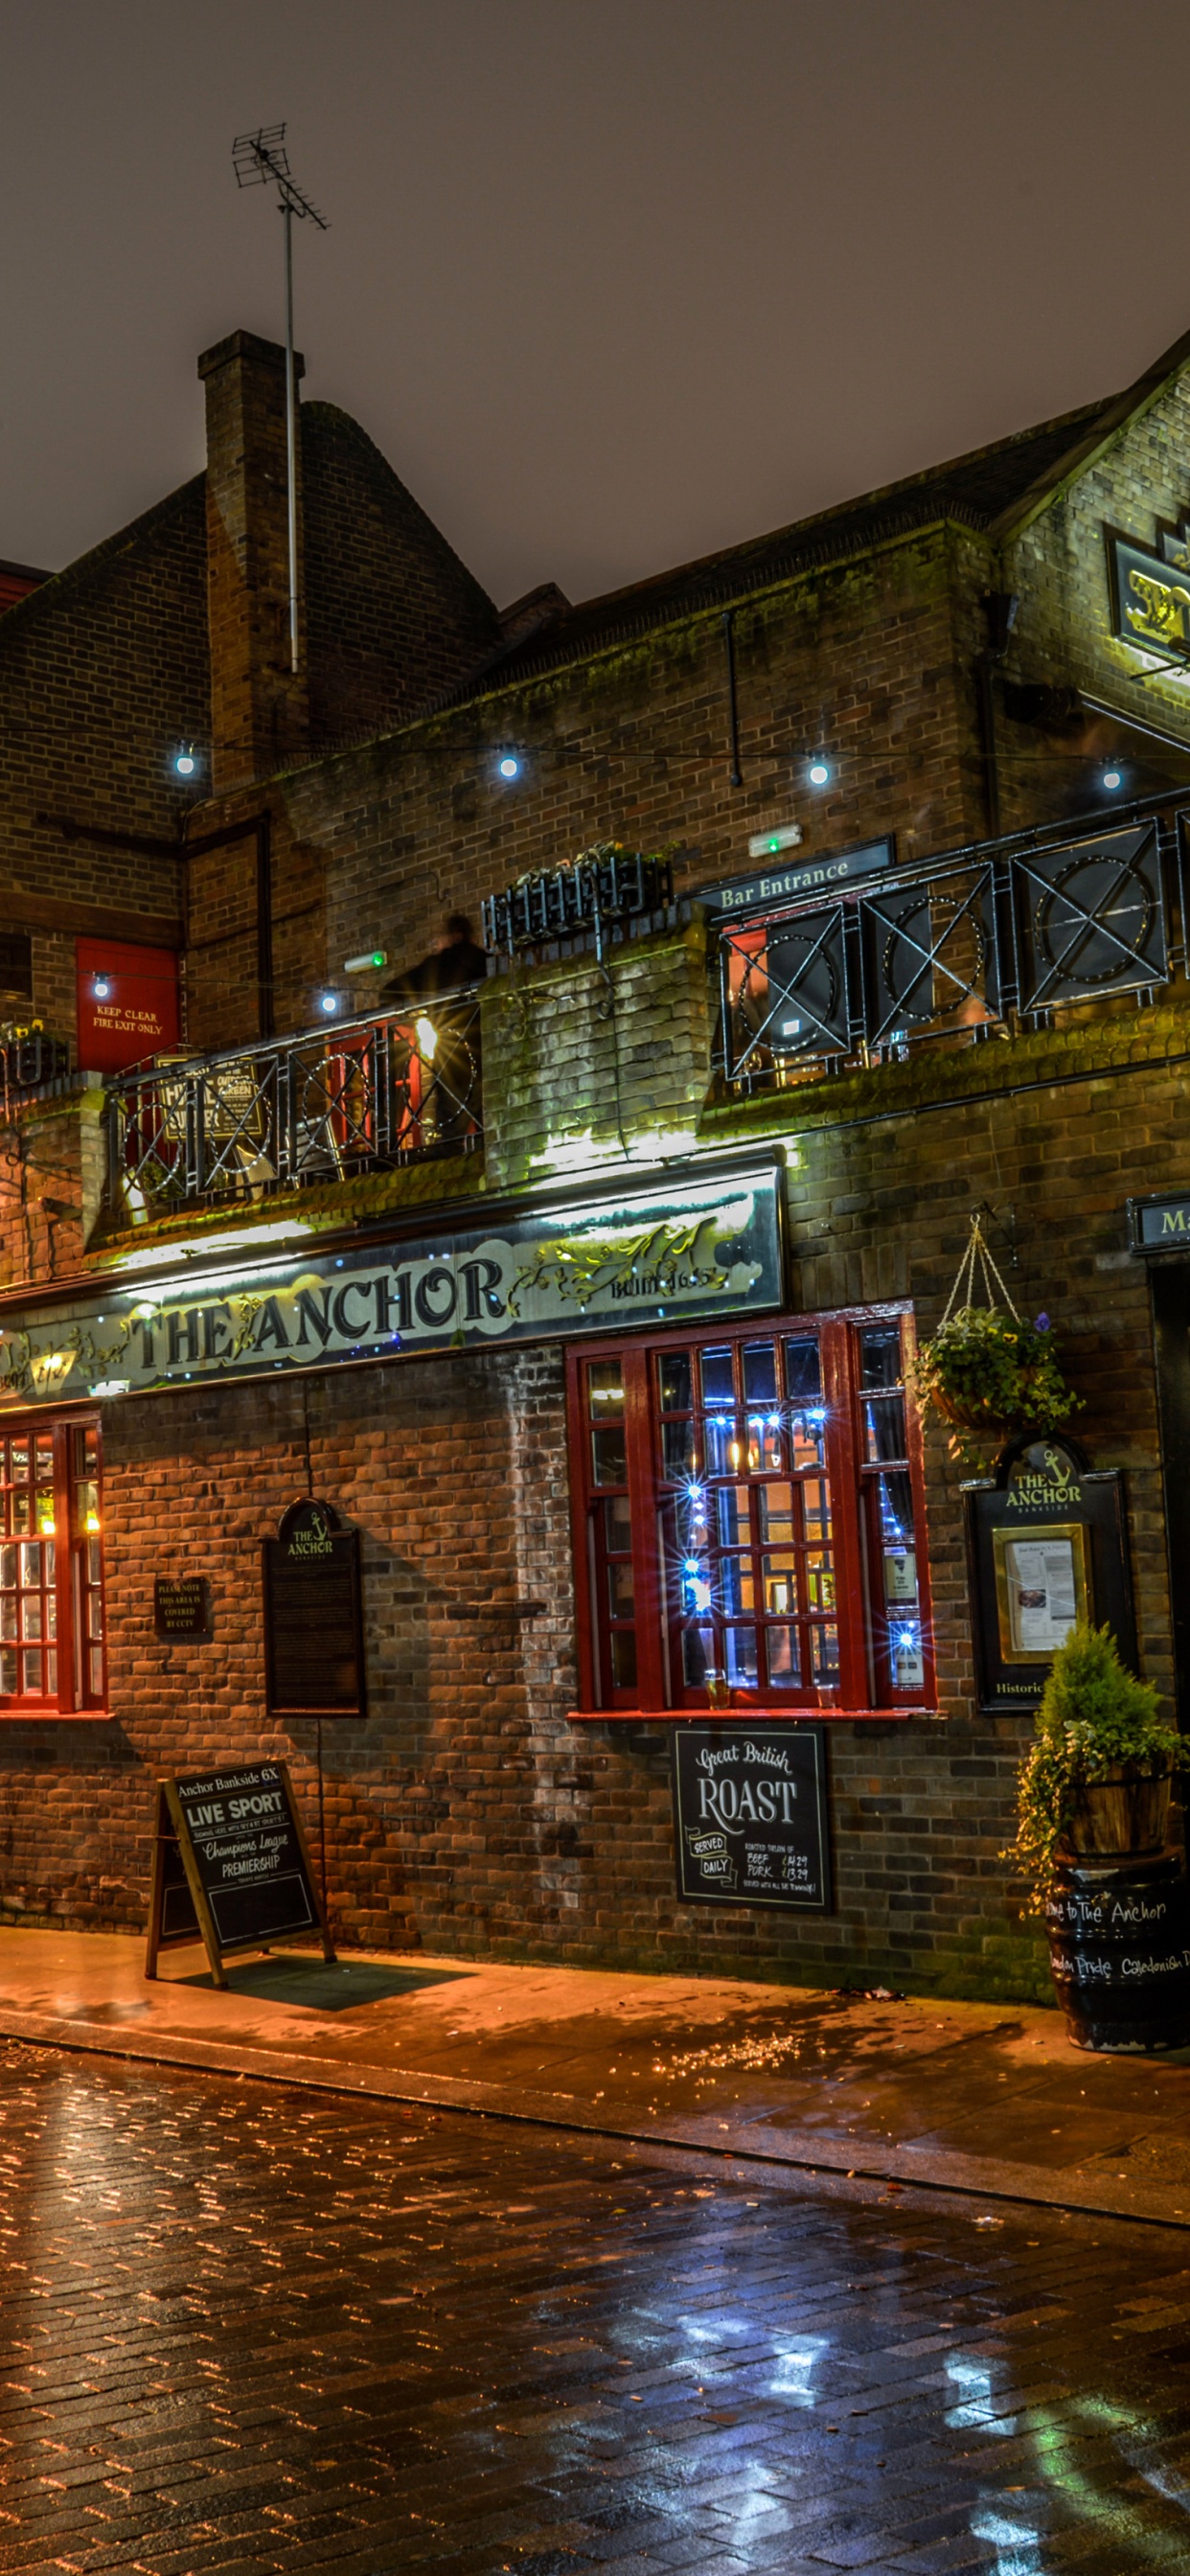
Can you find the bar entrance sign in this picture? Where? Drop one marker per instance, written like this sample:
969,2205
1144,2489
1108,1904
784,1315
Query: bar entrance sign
313,1623
750,1820
232,1867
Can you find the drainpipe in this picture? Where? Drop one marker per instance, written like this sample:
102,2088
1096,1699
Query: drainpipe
1000,608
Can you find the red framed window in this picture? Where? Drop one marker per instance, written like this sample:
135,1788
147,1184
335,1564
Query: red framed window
748,1518
51,1567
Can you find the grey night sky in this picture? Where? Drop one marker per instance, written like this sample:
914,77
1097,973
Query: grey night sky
612,282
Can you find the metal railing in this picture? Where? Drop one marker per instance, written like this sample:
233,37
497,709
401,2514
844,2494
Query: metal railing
604,885
323,1106
1003,934
30,1060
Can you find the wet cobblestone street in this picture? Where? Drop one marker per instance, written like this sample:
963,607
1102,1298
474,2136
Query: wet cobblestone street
249,2329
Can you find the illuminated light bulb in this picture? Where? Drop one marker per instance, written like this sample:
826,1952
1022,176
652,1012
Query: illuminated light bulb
1113,778
101,987
328,1002
92,1522
185,764
907,1638
691,1565
819,771
427,1038
508,765
47,1528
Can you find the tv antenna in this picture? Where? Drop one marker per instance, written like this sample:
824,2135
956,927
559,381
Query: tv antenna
261,160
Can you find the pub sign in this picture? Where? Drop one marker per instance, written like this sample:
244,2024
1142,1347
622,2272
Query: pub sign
313,1616
1047,1547
700,1245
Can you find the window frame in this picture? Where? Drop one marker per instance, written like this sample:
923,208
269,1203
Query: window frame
866,1677
73,1698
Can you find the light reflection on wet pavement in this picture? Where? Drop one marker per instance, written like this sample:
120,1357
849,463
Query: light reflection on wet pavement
252,2329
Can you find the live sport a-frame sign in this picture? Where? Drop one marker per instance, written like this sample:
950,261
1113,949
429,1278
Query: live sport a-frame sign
232,1867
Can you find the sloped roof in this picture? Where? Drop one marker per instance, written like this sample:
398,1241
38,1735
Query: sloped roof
991,489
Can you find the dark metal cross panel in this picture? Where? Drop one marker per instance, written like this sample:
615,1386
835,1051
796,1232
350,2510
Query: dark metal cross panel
973,938
327,1104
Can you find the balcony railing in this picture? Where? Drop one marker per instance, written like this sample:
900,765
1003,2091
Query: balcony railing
323,1106
1006,934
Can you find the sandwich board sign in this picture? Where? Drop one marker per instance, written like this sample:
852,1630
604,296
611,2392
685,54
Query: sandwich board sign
231,1866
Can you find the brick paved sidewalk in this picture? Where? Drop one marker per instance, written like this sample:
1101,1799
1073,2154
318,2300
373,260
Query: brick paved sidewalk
249,2330
977,2097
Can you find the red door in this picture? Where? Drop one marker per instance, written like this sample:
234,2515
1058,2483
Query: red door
127,1003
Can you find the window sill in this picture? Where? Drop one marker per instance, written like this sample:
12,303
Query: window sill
35,1712
742,1716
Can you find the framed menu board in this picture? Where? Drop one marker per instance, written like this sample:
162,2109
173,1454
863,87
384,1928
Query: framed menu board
1041,1588
1047,1546
313,1616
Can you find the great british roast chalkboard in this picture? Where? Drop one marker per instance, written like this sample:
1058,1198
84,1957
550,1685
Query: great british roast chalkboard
313,1623
232,1866
750,1815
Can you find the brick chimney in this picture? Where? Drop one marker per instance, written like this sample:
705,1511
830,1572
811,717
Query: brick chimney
259,707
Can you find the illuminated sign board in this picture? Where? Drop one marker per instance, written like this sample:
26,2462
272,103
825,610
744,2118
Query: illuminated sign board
1161,1225
1150,592
694,1248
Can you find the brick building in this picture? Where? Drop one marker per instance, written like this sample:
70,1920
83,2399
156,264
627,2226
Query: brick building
585,1294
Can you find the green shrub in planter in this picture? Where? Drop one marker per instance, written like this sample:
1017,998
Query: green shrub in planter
1094,1721
988,1372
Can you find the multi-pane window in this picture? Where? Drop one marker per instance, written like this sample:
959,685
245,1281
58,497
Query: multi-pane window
51,1574
748,1518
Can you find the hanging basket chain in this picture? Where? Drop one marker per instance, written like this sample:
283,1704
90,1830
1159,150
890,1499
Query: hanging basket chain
978,1249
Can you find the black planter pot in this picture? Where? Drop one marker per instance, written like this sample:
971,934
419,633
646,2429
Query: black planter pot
1119,1936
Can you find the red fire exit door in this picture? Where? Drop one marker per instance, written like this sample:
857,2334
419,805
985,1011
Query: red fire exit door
127,1003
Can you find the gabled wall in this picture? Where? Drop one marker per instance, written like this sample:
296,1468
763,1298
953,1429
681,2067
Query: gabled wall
1057,563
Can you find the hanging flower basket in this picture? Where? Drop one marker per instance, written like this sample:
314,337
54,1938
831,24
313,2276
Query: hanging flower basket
986,1371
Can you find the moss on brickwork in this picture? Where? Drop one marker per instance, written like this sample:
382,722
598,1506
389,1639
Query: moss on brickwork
990,1965
325,1210
583,1063
1111,1041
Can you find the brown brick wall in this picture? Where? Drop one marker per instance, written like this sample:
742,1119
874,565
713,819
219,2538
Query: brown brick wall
583,1065
868,657
103,673
468,1813
394,617
1058,566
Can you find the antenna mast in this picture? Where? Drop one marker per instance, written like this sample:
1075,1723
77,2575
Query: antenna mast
260,159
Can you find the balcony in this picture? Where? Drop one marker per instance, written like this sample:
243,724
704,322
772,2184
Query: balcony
1004,935
326,1105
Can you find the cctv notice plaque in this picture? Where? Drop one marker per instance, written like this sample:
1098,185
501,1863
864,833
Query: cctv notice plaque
232,1866
750,1815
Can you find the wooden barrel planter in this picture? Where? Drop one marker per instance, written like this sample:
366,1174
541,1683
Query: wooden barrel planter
1119,1936
1124,1816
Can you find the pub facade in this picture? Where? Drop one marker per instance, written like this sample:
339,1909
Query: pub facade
832,895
